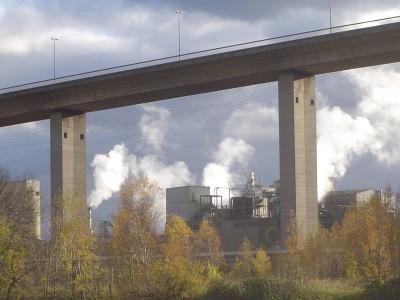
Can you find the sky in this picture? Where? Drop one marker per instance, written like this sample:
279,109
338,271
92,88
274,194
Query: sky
210,139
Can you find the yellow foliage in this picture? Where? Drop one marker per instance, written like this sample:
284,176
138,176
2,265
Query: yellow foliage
134,243
317,255
368,237
261,263
244,261
178,275
75,247
178,244
207,244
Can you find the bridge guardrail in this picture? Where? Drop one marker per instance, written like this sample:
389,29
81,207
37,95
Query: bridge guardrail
185,56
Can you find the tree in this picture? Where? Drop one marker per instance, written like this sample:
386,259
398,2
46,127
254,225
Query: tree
261,263
295,245
317,255
177,275
207,244
244,261
134,243
18,214
368,236
73,258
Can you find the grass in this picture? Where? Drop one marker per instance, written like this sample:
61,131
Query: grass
276,288
334,289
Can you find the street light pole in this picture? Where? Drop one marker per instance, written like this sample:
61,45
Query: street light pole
330,16
178,12
54,58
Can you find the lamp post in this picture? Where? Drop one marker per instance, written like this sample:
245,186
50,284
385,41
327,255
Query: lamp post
178,12
54,58
330,16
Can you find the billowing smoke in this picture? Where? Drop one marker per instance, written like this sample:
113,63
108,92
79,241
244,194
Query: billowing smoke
371,128
253,122
229,165
380,103
340,138
112,169
374,130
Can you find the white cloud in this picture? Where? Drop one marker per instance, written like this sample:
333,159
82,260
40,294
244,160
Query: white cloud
253,122
359,14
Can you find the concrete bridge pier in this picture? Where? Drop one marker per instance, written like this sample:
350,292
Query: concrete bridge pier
298,152
68,159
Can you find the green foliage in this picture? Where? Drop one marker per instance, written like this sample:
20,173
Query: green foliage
388,290
257,288
334,289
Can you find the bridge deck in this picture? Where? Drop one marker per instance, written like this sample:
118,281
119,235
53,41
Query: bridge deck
314,55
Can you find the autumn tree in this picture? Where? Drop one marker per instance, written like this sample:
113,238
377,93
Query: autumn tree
178,275
134,243
261,263
295,246
244,261
317,255
368,237
207,244
73,260
18,214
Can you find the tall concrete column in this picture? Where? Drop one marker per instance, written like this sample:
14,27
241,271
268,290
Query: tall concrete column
298,152
68,159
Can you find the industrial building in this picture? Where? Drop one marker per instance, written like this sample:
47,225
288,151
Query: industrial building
333,206
22,199
254,213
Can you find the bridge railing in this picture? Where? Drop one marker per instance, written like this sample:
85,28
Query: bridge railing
186,56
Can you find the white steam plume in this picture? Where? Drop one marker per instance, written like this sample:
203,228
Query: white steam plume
340,138
111,170
229,165
380,103
153,125
374,130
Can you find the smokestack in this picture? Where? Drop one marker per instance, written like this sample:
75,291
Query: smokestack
90,218
250,181
332,184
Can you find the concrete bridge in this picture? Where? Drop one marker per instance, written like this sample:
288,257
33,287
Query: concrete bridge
293,64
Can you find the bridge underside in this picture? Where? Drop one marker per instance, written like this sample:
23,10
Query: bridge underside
293,64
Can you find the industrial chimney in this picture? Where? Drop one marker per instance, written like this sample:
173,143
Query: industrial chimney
90,219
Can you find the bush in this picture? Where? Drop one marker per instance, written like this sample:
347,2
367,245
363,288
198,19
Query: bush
389,290
257,288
